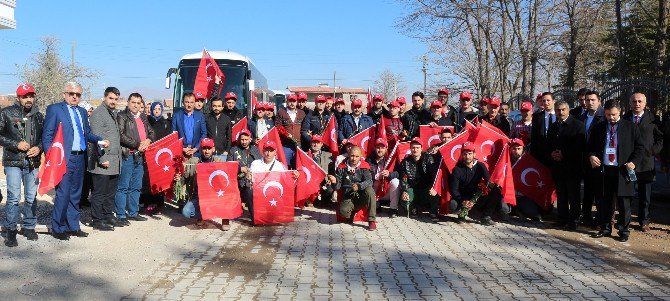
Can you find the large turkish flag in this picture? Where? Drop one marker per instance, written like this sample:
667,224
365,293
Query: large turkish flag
160,159
362,139
274,197
311,176
488,144
237,128
55,165
204,79
540,186
501,175
429,134
330,136
451,150
218,193
273,135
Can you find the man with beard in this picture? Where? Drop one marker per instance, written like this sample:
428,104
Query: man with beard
417,173
464,182
394,127
415,116
377,110
525,207
244,153
354,180
219,128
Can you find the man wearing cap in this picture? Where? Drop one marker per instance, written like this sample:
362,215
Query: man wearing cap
20,135
484,107
353,180
355,122
394,127
416,116
338,110
326,162
259,125
377,110
447,110
386,181
464,182
244,153
329,103
417,173
315,122
436,116
219,128
541,122
567,139
230,110
105,164
465,111
525,207
302,103
189,125
494,118
290,120
521,128
446,135
270,111
76,132
207,149
594,114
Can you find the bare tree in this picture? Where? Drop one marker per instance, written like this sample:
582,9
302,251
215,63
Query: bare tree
389,84
48,73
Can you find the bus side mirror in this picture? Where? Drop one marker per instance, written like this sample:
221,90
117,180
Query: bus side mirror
168,77
168,81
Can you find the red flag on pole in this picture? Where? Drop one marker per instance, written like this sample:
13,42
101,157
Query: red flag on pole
441,185
430,135
204,79
273,135
55,165
238,127
274,197
489,143
534,180
330,136
311,177
160,162
451,150
218,193
362,139
502,176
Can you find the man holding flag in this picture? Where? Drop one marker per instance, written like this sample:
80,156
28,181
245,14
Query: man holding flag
76,132
417,174
386,180
354,179
467,177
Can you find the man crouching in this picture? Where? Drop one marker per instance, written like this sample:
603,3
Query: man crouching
354,179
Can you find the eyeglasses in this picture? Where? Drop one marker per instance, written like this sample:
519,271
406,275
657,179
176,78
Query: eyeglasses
73,94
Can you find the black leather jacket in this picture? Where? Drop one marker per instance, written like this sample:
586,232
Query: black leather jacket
13,129
417,174
130,137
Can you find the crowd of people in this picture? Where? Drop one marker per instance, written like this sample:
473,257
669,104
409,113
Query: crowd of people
610,151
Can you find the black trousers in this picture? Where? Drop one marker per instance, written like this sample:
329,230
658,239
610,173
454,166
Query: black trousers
102,198
644,201
589,195
86,188
567,192
607,205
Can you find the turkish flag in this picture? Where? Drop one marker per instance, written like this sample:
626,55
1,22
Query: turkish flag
451,150
204,79
488,125
429,134
273,135
254,101
469,125
160,159
218,193
55,165
501,175
441,185
475,120
237,128
385,124
488,143
330,136
311,177
362,139
540,187
274,197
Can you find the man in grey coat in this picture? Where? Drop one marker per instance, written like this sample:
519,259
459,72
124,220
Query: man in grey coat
105,164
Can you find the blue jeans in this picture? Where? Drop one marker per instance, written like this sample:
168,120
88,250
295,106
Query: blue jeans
16,175
130,184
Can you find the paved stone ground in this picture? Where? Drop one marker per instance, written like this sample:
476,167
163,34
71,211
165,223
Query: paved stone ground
406,259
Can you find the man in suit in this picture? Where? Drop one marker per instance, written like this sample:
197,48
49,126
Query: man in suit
566,139
76,132
540,126
615,146
593,114
652,138
580,108
190,125
105,165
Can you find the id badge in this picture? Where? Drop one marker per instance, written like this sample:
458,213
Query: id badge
610,151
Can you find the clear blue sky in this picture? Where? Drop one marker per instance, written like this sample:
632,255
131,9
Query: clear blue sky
133,43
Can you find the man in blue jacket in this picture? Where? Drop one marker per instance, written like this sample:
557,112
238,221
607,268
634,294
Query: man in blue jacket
76,132
355,122
190,125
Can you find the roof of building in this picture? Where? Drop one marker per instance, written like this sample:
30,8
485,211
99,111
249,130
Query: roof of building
326,90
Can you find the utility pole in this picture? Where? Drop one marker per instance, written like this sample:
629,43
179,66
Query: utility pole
334,86
73,75
424,69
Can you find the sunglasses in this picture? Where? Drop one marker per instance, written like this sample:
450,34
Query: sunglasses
73,94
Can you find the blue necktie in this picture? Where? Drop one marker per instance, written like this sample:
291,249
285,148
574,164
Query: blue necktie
82,143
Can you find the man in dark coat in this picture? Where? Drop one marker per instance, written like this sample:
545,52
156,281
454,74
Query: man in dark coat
593,114
580,108
541,122
566,139
495,118
219,128
652,138
415,116
615,146
354,181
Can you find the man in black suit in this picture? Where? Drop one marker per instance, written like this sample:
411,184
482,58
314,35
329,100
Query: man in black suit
652,138
593,115
566,139
538,133
615,147
580,108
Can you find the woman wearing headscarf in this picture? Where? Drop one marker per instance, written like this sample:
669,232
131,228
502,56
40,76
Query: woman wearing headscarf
162,127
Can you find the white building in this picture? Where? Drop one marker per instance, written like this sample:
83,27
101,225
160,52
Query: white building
7,14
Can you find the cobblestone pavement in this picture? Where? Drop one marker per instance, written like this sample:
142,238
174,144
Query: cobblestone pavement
406,259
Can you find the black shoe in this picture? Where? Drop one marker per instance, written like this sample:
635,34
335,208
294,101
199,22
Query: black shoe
30,234
434,218
138,218
394,213
623,238
602,234
110,221
487,221
78,233
61,236
10,240
102,226
122,222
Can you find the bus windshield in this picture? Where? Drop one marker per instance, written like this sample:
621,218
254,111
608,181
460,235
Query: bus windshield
235,80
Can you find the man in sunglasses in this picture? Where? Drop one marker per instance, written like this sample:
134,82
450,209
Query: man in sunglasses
76,132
